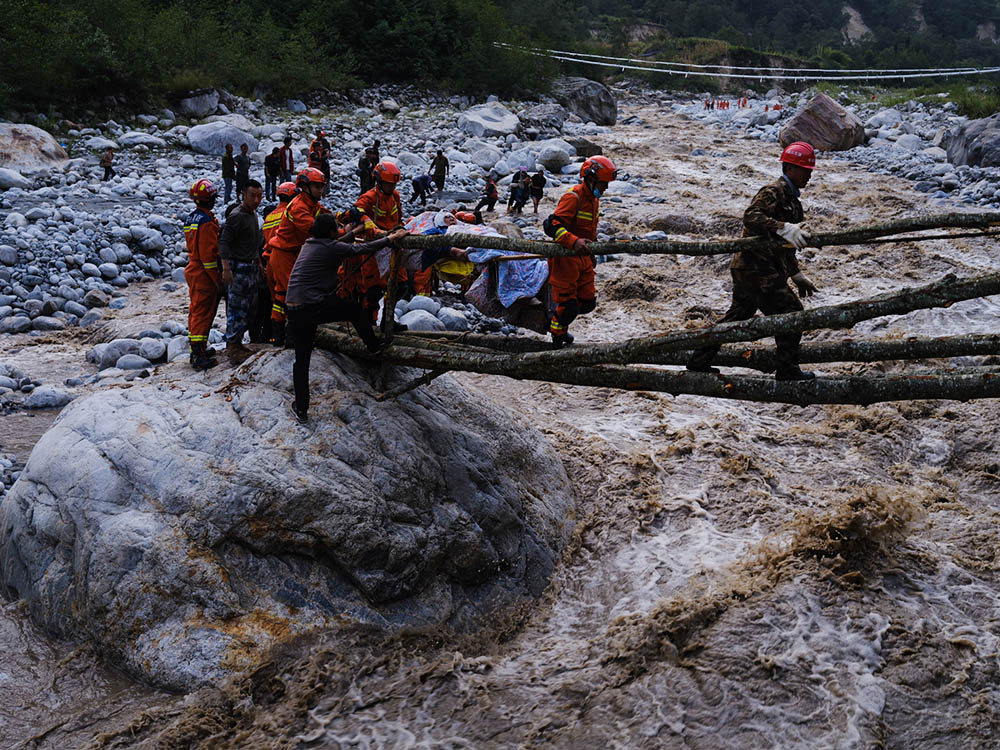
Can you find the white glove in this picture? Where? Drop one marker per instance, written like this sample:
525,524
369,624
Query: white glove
806,287
793,234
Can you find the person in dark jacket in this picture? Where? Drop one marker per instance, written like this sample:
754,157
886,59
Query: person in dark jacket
365,166
421,187
228,172
537,188
272,170
242,170
312,298
490,195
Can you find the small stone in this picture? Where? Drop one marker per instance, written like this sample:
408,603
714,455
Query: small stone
47,398
96,298
153,350
46,323
452,319
90,318
421,302
421,320
132,362
15,324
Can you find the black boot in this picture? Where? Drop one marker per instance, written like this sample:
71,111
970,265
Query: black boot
278,333
794,374
558,342
199,359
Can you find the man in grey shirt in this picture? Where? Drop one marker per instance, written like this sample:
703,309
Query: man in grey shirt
240,243
312,297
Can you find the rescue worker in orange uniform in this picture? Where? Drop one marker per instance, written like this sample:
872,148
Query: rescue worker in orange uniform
260,327
204,279
288,237
379,211
571,278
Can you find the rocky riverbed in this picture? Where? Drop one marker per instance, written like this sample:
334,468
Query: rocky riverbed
742,574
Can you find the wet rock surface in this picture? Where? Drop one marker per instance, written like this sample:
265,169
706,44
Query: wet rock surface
199,528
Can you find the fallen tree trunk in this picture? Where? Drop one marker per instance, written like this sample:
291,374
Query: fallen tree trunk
938,294
856,236
756,357
853,389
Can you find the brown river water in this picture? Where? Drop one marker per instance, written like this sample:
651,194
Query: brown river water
743,575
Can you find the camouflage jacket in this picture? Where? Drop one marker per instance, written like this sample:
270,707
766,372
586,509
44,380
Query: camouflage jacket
773,206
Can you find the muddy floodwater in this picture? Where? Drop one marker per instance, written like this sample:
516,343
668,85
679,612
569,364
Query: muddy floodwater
743,575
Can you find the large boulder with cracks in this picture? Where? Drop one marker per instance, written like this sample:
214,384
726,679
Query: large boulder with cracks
186,526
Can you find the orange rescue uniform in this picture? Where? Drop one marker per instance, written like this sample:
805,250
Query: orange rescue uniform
572,278
204,280
285,243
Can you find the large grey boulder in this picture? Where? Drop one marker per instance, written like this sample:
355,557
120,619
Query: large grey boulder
976,143
200,105
29,149
488,121
186,528
11,178
211,138
545,117
589,100
825,125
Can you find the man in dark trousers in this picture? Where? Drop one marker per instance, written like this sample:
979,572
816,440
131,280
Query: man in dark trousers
240,243
537,188
760,277
421,187
107,161
242,170
312,298
365,166
228,172
272,170
286,160
440,169
490,194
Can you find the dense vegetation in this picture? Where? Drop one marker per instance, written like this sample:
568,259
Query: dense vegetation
68,54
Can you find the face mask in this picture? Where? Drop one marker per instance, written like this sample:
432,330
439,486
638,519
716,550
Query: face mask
597,192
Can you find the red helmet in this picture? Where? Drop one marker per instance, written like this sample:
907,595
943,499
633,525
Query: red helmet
386,171
310,175
287,190
801,154
600,166
203,190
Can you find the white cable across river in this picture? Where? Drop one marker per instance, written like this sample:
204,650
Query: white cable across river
764,73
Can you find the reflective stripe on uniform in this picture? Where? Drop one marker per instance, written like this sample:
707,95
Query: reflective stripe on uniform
209,266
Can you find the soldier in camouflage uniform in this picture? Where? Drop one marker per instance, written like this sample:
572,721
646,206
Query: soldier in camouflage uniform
760,277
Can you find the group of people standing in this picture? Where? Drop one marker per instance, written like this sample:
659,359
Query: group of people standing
309,266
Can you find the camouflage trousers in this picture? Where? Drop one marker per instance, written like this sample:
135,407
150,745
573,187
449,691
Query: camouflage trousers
749,296
241,298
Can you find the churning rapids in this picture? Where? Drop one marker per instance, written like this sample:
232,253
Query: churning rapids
743,575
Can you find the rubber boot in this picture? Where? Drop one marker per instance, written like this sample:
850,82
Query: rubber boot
278,333
237,353
558,342
199,358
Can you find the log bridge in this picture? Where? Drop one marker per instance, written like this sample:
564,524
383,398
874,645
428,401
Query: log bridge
638,363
